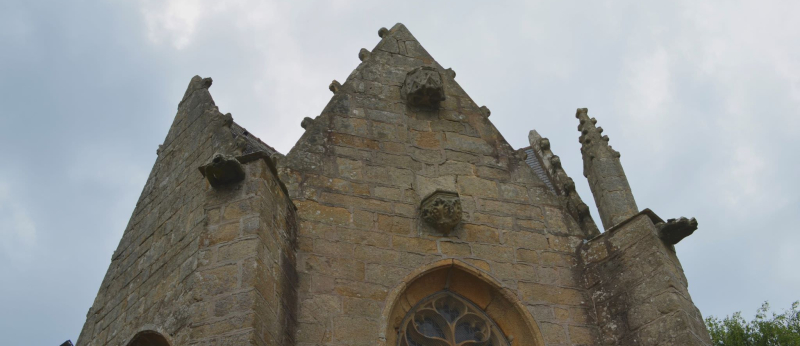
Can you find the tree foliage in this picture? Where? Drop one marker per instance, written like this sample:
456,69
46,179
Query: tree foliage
764,330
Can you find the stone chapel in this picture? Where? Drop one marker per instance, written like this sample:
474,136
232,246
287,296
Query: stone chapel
401,217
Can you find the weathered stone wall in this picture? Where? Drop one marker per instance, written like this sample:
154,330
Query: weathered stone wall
638,288
246,284
340,253
191,255
358,175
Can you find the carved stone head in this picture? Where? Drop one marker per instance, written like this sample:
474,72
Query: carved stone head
222,170
423,87
442,210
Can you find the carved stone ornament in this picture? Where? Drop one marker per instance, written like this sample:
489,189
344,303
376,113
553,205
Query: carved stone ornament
222,170
442,210
674,230
446,319
307,121
334,86
423,87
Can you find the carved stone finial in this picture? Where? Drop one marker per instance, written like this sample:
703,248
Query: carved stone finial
227,120
306,122
562,184
674,230
602,167
363,54
423,87
569,186
334,86
160,149
222,170
240,145
555,161
442,210
486,112
451,73
544,144
382,32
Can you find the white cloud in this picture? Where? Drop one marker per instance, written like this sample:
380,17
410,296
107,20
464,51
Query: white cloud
174,21
648,95
178,21
17,230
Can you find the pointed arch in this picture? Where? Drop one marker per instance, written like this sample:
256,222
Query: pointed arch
148,338
447,318
471,283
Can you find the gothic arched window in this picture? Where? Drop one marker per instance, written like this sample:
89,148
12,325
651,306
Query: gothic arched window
148,338
447,319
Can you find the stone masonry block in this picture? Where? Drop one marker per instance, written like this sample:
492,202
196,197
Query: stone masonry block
314,211
481,234
414,244
458,142
493,252
426,186
539,293
472,186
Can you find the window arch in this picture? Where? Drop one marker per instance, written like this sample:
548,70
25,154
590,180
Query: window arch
499,304
448,319
148,338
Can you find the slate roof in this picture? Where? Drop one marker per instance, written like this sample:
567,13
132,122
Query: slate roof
533,161
254,144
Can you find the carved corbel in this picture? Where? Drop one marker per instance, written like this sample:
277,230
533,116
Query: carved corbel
442,210
363,54
307,121
334,86
674,230
222,170
423,87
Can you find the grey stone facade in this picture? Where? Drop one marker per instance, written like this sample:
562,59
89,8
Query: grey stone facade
399,196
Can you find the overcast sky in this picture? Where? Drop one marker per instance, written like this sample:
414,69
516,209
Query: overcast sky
702,98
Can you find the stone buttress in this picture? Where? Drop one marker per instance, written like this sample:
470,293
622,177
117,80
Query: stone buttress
638,288
203,264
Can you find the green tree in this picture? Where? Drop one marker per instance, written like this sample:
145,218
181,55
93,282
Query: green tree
764,330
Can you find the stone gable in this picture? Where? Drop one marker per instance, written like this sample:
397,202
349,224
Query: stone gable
399,196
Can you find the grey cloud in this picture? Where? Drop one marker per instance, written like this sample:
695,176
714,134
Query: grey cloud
701,99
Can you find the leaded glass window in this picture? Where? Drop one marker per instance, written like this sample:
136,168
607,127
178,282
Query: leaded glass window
446,319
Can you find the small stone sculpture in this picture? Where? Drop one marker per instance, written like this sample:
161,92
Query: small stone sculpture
486,112
363,54
306,122
334,86
442,210
239,145
423,87
222,170
227,120
674,230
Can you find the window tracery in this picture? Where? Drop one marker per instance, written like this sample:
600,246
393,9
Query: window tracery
446,319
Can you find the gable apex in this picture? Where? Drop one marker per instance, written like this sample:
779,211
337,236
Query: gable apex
399,40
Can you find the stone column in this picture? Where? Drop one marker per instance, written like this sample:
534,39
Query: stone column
601,166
